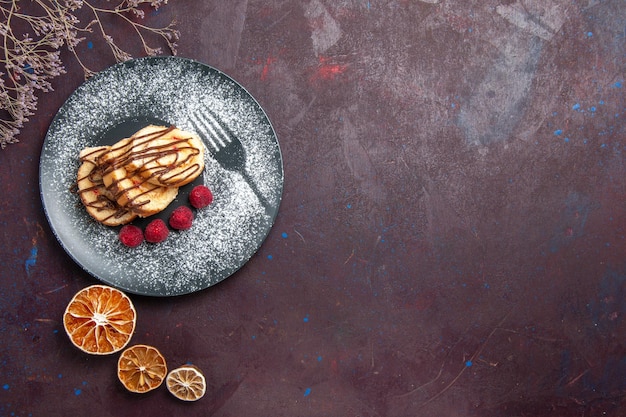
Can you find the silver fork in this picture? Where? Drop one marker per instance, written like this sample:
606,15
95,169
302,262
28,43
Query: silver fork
225,147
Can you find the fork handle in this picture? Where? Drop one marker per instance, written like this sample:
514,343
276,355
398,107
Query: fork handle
269,210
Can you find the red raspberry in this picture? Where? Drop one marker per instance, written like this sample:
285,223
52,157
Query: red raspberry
131,236
181,218
156,231
200,196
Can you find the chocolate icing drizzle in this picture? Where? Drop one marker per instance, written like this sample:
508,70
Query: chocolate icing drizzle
163,161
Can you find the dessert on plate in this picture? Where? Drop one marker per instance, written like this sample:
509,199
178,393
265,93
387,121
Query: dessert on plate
138,176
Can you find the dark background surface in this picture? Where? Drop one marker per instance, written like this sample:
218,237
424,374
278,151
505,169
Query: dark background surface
451,236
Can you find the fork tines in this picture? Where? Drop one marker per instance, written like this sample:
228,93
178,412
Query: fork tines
214,133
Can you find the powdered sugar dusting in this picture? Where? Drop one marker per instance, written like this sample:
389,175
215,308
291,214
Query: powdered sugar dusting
224,235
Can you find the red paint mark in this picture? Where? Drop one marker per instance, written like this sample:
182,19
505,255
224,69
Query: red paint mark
330,71
334,367
266,67
327,70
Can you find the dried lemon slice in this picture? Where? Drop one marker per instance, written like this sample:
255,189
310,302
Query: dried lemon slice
100,320
186,383
141,368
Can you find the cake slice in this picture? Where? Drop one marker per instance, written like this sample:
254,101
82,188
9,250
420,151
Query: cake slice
134,193
98,201
166,156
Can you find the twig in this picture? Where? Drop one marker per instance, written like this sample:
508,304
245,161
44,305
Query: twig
32,42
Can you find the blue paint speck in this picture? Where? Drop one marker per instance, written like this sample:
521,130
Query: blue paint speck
32,259
319,358
468,363
592,109
618,84
270,257
349,206
6,387
306,319
566,140
558,132
576,106
77,391
90,45
285,235
589,34
307,392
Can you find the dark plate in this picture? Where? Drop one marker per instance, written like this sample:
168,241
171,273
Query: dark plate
163,90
